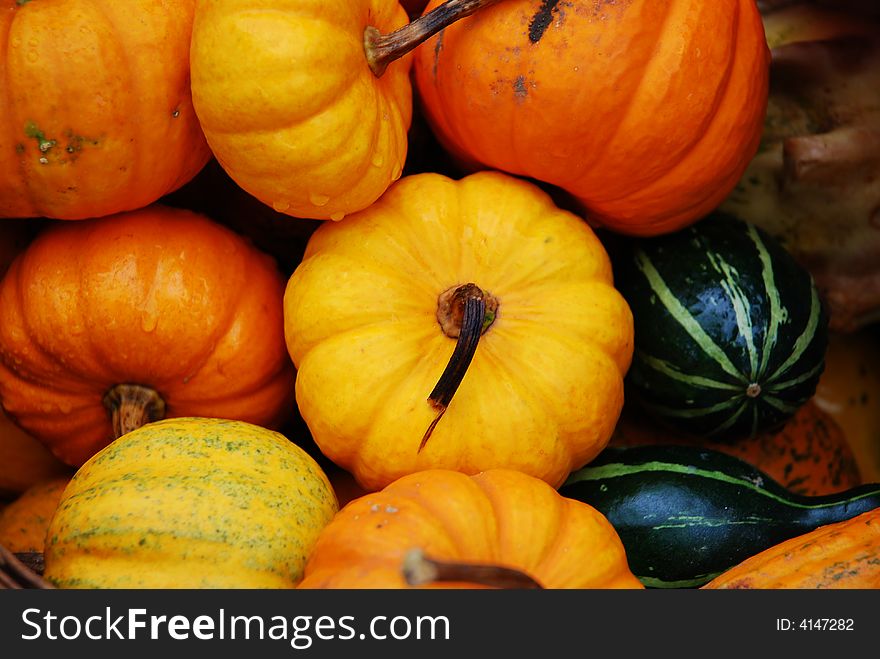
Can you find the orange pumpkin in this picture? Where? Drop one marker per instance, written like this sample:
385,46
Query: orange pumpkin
809,455
469,525
24,461
463,325
646,112
841,555
95,106
106,324
25,521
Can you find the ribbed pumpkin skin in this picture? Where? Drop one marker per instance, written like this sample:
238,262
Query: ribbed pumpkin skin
190,503
808,455
96,107
24,522
648,112
24,461
290,106
720,307
842,555
158,297
545,386
499,517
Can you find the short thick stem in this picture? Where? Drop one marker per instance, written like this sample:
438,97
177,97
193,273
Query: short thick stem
464,313
382,49
131,406
420,570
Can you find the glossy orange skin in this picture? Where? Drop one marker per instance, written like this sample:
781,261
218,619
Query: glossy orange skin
809,455
95,106
646,112
500,517
158,297
290,106
842,555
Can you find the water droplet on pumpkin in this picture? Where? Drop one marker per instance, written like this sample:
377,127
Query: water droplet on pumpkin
280,206
397,171
65,407
33,56
337,216
319,199
378,160
149,320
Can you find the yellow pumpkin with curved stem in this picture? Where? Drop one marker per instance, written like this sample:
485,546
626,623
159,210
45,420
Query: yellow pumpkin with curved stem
378,306
290,106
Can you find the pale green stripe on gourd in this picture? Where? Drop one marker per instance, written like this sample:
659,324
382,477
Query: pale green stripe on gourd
683,316
618,469
777,311
670,371
740,305
805,339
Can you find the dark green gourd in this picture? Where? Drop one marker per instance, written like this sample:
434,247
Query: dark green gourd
730,332
686,514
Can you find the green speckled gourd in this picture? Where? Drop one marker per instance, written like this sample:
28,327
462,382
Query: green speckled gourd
730,332
190,503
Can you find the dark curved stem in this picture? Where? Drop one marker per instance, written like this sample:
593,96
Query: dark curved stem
472,326
382,49
420,570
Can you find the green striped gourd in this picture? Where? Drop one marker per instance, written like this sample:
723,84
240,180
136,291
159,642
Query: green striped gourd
687,514
730,332
190,503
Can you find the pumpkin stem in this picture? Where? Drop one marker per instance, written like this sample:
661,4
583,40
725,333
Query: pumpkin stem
382,49
131,406
464,313
420,570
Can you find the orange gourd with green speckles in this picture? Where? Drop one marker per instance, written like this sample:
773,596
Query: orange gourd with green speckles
190,503
498,518
23,523
841,555
108,323
95,106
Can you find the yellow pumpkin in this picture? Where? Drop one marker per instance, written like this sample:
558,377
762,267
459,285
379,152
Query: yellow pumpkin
190,503
849,391
438,272
290,106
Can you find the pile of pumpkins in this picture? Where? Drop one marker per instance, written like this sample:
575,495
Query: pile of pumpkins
362,294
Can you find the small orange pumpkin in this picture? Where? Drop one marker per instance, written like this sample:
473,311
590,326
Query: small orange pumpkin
25,521
841,555
469,526
108,323
24,461
95,106
646,112
809,455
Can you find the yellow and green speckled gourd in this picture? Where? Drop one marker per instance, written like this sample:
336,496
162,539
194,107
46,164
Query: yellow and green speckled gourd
190,503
